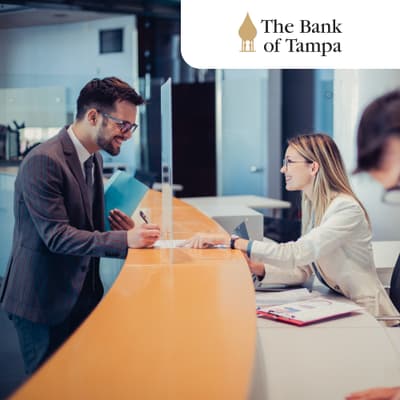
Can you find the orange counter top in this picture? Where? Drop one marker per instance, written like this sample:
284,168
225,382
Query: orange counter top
177,324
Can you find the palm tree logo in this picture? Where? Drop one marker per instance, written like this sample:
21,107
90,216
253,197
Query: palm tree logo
247,33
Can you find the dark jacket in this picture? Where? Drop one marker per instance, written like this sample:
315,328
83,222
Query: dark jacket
55,237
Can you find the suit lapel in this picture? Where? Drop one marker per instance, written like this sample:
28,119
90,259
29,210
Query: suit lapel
72,160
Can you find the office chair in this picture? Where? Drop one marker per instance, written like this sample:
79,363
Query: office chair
394,291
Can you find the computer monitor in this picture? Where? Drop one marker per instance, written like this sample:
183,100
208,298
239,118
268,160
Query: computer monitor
241,231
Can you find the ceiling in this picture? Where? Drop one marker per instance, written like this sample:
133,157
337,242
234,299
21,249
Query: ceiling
50,12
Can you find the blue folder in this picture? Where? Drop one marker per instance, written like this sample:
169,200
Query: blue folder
124,192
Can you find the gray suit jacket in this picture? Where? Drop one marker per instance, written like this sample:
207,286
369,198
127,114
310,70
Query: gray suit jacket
55,237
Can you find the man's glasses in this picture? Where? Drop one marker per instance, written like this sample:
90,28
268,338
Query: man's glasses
124,126
392,196
286,162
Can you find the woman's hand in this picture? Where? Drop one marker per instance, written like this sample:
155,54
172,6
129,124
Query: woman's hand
205,240
119,221
256,268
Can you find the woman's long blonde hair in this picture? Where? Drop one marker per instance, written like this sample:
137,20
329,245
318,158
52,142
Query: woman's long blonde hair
330,180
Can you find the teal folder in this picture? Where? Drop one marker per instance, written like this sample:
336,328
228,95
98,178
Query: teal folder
124,192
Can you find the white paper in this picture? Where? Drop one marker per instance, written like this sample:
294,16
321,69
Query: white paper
286,296
168,244
172,244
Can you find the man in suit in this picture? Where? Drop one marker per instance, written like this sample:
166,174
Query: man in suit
52,281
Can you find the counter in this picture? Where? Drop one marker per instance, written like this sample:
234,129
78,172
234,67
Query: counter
176,324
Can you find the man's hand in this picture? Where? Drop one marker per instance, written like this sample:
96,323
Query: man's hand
204,240
119,221
143,236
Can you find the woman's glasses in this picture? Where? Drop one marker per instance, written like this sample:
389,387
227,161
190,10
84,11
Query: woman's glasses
286,162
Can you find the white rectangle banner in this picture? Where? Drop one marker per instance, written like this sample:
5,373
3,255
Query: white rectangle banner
290,34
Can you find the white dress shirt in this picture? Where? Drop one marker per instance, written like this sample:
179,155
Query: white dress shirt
83,154
341,249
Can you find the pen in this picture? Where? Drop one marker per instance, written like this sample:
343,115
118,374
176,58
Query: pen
143,216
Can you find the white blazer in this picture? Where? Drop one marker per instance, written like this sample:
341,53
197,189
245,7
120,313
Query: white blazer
341,249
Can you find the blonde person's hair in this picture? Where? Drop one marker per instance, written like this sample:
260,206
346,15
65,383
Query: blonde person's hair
330,180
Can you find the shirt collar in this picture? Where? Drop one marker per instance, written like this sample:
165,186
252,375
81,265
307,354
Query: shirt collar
83,154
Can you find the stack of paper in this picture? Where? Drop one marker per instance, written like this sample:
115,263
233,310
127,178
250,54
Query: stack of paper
287,296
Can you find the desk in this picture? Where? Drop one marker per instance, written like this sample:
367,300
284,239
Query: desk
324,361
165,329
230,211
175,187
181,325
385,257
9,170
243,200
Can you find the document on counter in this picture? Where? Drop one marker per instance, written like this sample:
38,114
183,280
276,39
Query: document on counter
308,311
172,244
168,244
286,296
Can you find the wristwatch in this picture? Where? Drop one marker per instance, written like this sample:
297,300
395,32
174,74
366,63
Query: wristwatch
233,240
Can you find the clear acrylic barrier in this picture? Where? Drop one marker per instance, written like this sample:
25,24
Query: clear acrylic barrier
166,161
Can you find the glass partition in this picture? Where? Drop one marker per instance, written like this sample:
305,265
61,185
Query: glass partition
166,161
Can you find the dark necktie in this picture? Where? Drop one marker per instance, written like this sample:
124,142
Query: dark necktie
88,164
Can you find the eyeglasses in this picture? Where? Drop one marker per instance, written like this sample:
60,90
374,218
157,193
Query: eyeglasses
124,126
392,196
286,162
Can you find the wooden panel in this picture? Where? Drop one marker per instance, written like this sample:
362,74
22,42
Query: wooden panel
180,329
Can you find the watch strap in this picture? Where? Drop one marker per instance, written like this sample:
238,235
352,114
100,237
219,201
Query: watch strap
233,240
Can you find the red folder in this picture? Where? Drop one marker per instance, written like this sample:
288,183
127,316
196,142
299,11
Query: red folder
307,312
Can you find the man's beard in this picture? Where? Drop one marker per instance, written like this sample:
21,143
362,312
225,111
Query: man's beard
106,145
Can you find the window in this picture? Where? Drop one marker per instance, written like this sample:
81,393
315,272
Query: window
111,41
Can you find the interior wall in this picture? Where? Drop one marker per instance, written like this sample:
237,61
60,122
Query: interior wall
248,132
68,55
323,94
298,110
194,156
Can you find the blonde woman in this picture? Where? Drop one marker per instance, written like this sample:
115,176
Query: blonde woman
336,236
